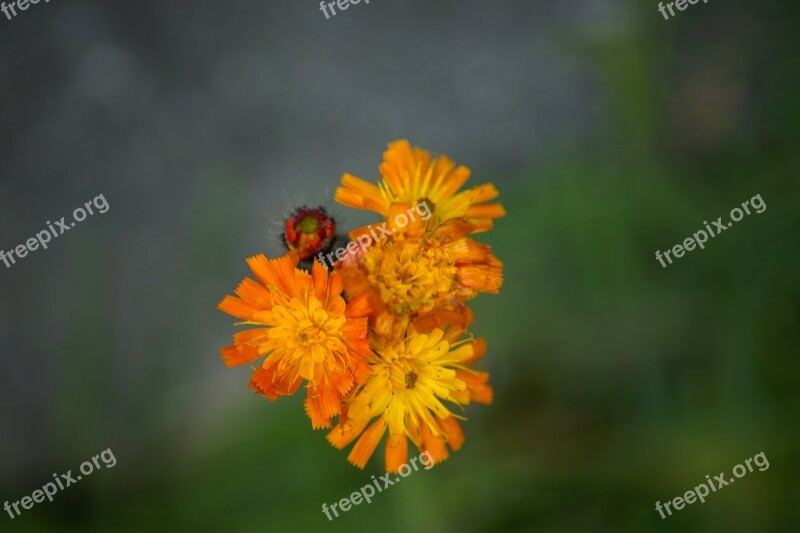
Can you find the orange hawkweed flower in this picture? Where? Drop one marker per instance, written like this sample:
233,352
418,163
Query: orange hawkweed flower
411,176
410,380
422,281
306,330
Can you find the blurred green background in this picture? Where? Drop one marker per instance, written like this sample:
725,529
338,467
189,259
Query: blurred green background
610,133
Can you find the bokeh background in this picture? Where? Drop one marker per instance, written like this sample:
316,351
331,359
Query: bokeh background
610,132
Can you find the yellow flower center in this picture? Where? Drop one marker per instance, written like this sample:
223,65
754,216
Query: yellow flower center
308,333
409,275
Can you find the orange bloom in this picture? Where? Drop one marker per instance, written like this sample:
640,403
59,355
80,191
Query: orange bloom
306,330
411,176
422,281
410,380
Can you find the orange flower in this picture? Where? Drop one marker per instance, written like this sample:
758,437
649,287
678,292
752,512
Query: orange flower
422,281
410,177
305,329
410,380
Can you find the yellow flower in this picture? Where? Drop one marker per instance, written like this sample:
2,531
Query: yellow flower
410,381
411,176
422,281
306,329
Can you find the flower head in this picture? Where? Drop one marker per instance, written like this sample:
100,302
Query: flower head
306,330
411,176
411,280
410,381
308,232
380,340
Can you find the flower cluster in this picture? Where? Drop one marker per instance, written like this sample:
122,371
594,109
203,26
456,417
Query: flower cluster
381,340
